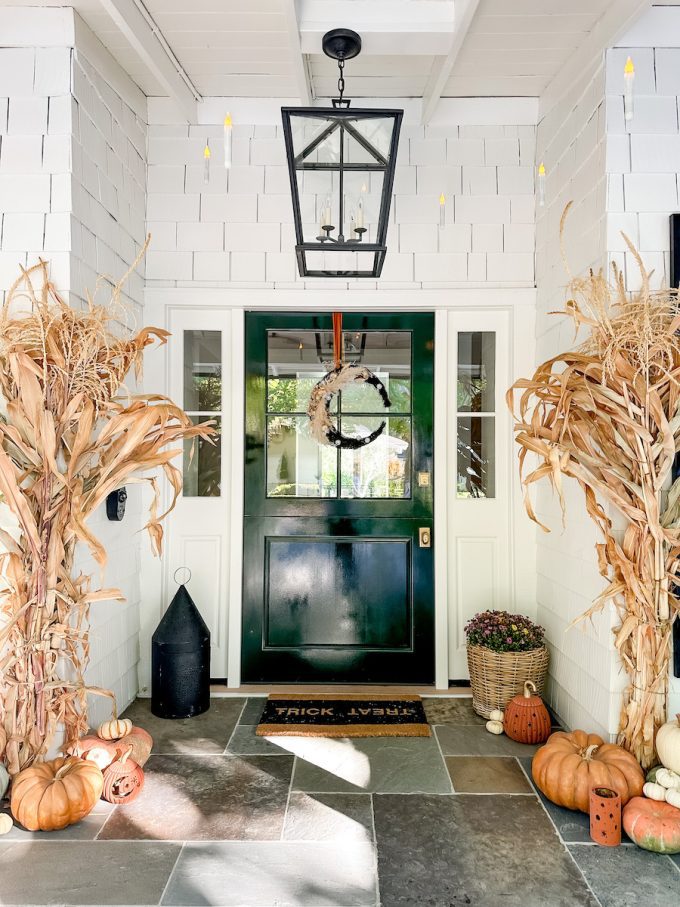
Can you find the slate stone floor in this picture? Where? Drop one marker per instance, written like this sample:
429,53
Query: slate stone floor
228,818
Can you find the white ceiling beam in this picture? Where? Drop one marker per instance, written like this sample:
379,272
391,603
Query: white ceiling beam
392,27
611,26
149,43
299,65
464,14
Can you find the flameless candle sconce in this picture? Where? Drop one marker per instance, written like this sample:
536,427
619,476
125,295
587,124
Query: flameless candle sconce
628,79
206,162
227,140
541,184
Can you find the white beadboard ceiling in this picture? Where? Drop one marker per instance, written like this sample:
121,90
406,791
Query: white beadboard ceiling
243,48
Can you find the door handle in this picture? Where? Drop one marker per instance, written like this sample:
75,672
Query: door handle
425,537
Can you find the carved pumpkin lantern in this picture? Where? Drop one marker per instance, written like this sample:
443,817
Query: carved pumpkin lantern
526,719
123,779
51,795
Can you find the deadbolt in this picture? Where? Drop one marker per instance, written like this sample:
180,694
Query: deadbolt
424,537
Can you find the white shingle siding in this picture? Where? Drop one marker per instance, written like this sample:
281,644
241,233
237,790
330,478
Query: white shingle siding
72,190
485,173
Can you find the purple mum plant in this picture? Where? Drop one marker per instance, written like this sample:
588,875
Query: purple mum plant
504,632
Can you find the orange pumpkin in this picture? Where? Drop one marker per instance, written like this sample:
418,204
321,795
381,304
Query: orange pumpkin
526,719
141,743
94,749
51,795
653,825
569,766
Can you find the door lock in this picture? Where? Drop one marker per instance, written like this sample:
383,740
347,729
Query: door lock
424,537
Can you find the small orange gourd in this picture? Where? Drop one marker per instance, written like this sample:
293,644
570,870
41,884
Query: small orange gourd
51,795
526,718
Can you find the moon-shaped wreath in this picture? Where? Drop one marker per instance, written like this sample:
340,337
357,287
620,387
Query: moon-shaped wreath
319,411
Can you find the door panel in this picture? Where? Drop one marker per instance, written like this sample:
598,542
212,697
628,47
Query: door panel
336,585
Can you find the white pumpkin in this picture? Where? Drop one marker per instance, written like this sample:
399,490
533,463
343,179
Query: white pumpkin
494,727
114,729
673,797
668,779
668,744
6,824
4,780
496,715
654,791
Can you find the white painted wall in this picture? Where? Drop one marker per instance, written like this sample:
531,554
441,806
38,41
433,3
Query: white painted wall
238,229
644,155
72,190
571,142
621,176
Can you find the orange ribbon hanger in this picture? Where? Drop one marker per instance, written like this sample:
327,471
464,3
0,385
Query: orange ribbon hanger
337,339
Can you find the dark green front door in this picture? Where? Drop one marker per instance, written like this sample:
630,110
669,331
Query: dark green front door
338,577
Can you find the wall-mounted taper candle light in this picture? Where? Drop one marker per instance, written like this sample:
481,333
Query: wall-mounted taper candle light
541,184
228,125
628,79
206,162
442,210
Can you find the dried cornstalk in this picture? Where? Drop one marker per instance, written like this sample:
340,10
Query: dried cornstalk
607,415
66,440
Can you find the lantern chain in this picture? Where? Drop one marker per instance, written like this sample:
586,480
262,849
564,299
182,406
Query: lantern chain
341,79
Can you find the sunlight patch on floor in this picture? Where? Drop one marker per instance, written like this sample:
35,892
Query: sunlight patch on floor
337,756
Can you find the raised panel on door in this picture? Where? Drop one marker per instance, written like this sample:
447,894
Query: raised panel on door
327,599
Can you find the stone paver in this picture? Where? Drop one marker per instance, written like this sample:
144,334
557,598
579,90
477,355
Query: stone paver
282,874
207,798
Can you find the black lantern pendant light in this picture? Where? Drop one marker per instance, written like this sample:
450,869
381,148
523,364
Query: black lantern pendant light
341,164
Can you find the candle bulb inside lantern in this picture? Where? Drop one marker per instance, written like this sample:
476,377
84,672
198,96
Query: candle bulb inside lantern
628,79
360,213
541,184
206,162
227,140
442,210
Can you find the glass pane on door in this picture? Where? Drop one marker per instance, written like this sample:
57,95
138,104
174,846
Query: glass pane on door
476,457
299,467
476,371
381,469
203,371
202,467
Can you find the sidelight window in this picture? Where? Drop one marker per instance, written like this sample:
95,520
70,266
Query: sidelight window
297,466
476,414
202,384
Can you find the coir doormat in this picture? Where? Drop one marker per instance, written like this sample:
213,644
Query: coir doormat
332,715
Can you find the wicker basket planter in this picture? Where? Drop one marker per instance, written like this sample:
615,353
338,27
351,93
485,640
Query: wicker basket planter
495,677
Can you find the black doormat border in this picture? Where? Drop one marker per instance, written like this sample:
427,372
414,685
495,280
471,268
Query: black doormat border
351,715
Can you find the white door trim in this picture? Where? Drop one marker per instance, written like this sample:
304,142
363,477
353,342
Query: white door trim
440,302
